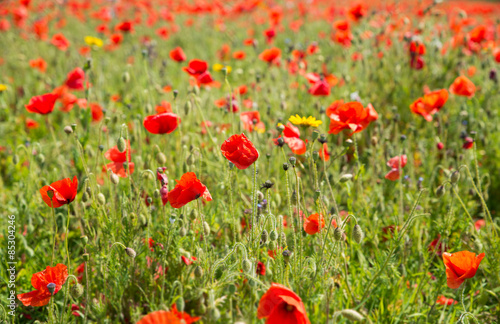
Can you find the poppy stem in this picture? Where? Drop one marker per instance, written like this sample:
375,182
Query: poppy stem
55,233
290,210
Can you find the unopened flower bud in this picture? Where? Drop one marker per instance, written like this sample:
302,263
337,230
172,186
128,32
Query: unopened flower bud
263,236
15,159
280,141
272,245
180,304
374,140
206,228
286,255
86,257
322,139
352,315
357,234
246,265
130,252
286,166
51,287
114,178
455,176
198,272
121,145
126,77
77,290
101,199
337,234
187,107
68,130
280,128
440,191
315,156
292,161
345,177
348,143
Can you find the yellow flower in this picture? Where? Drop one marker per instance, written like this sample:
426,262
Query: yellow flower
3,87
218,67
93,41
309,121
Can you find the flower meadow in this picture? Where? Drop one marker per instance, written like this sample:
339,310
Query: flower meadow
249,161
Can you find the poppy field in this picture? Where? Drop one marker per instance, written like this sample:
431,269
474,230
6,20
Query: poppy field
249,161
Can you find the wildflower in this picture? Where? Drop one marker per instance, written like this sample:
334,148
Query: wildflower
395,165
430,104
251,121
261,269
75,79
55,277
271,56
308,122
31,124
93,41
174,316
281,305
357,12
3,87
438,248
239,150
187,189
62,192
468,143
218,67
480,223
460,266
291,135
188,261
125,27
311,223
320,88
39,64
442,300
462,86
59,41
162,123
351,116
198,69
118,160
177,54
43,104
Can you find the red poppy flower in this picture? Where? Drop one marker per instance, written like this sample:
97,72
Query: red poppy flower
430,104
43,104
463,87
116,38
496,54
118,160
311,223
75,79
39,64
460,266
351,116
164,123
324,154
239,55
394,174
160,317
31,124
480,223
468,143
125,27
442,300
271,55
184,317
281,305
239,150
251,121
63,191
188,189
177,54
320,88
96,111
59,41
438,248
40,297
261,269
357,12
196,67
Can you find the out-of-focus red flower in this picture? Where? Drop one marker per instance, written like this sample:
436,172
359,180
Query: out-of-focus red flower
468,143
496,54
351,116
311,223
118,160
442,300
163,123
320,88
31,124
177,54
281,305
116,38
462,86
260,269
438,248
63,192
96,111
187,189
239,55
59,41
251,121
480,223
125,27
43,104
199,69
395,166
460,266
357,12
162,32
39,64
51,275
478,34
271,55
324,154
164,107
239,150
75,79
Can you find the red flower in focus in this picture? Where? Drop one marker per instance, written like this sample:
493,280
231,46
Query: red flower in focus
43,104
291,136
442,300
163,123
75,79
63,192
188,189
261,269
51,275
460,266
430,103
271,56
239,150
118,160
311,223
59,41
463,87
351,116
172,317
177,54
395,166
281,305
184,317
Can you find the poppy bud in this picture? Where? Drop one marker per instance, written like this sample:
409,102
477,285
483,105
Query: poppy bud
149,200
85,239
357,233
402,138
286,255
272,245
198,272
264,236
15,159
114,178
285,166
101,147
215,314
346,177
493,75
206,228
292,161
455,176
246,265
315,155
180,304
143,219
260,196
187,107
121,145
68,130
190,159
77,290
130,252
161,158
267,185
101,199
352,315
51,287
86,257
374,140
280,128
156,193
440,191
183,231
348,143
175,93
85,197
73,127
280,141
273,235
317,194
337,234
125,77
315,135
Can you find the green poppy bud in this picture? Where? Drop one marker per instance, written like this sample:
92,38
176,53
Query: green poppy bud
121,145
